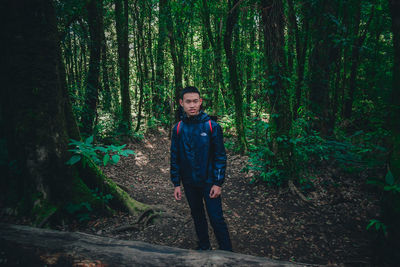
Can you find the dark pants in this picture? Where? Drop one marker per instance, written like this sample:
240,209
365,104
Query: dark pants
195,196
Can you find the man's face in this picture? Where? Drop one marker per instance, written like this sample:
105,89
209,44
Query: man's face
191,103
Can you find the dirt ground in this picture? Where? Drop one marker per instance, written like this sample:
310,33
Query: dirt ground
262,221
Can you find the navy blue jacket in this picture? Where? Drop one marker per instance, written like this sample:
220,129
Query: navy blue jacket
197,154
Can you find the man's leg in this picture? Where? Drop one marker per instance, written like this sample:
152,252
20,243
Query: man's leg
194,196
214,210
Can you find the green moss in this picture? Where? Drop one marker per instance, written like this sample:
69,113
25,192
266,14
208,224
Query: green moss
120,196
42,210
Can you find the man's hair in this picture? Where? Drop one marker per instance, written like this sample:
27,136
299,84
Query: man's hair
189,89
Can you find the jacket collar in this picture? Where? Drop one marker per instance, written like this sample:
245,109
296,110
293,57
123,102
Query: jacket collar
201,117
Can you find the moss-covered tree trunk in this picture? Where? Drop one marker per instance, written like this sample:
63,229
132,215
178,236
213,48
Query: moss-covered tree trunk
395,99
104,62
280,112
249,64
36,109
322,61
93,81
216,44
301,46
121,18
233,75
159,94
176,42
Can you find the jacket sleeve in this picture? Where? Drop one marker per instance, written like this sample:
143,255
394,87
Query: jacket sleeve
218,148
174,168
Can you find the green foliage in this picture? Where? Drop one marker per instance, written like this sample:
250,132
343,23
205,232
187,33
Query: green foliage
309,149
42,209
360,150
103,198
378,226
390,204
84,209
99,154
80,210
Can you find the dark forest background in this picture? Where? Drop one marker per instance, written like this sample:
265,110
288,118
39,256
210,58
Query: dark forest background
295,85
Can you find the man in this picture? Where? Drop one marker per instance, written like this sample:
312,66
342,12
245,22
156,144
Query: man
198,160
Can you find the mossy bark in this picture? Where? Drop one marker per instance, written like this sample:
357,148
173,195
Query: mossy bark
395,104
38,114
121,19
231,23
278,93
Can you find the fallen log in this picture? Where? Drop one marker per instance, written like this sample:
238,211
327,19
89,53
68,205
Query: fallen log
28,246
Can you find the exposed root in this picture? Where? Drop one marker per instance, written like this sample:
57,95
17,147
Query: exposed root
40,225
145,214
297,192
122,187
131,227
151,218
147,217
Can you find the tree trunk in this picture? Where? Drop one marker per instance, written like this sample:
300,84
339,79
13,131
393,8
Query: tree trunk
355,59
42,247
104,62
141,61
177,59
76,66
39,119
233,78
321,65
216,44
301,48
249,65
206,72
152,90
280,113
395,99
93,80
159,93
121,18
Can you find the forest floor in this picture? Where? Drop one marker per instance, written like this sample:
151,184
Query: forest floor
262,221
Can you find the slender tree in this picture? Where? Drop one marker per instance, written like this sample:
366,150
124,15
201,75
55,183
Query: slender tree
177,47
216,43
104,62
93,81
301,48
159,92
231,22
321,63
121,18
355,58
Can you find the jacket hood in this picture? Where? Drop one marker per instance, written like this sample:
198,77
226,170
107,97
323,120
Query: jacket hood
201,117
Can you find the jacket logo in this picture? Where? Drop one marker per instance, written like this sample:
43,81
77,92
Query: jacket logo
203,134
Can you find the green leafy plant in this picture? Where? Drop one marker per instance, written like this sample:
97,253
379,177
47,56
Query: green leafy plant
81,210
390,187
104,198
378,226
99,154
309,149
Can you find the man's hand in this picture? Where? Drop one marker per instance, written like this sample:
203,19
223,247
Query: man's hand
177,193
215,191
